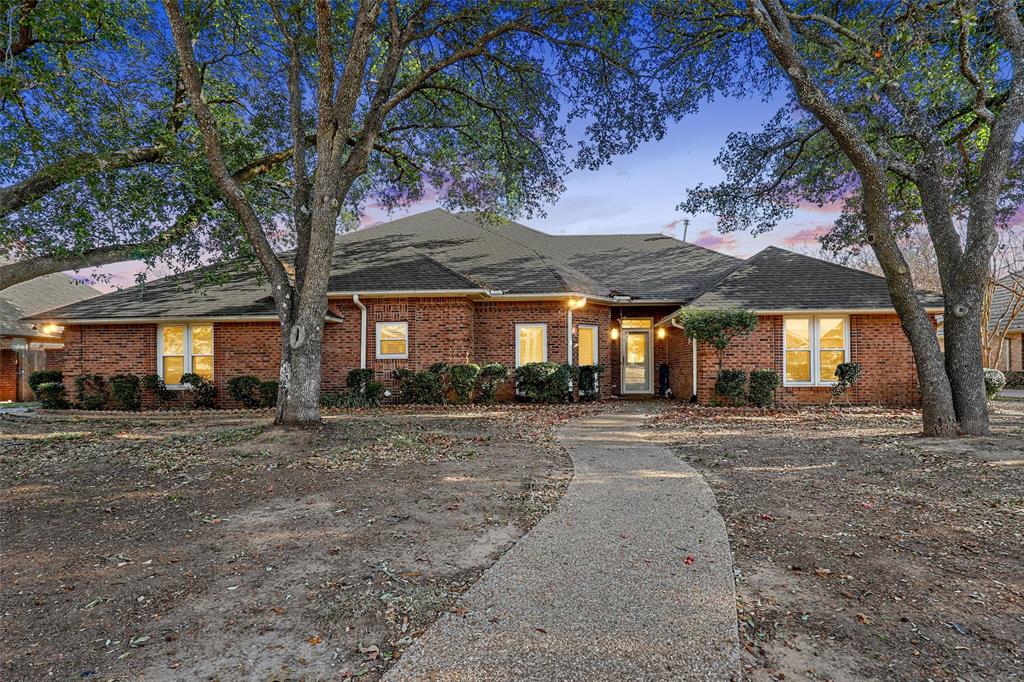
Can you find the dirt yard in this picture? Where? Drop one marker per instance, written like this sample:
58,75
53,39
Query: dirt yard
215,547
863,551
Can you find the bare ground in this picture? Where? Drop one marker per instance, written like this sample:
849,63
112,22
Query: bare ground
216,547
863,551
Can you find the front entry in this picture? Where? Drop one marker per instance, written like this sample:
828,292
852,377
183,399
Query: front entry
636,357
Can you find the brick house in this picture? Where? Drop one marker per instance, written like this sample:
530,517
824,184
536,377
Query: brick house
26,346
1007,315
437,286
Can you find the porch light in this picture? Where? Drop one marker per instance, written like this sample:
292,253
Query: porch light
661,332
51,329
577,303
614,333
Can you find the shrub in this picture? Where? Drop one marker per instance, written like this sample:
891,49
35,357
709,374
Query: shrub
462,379
244,390
846,376
545,382
995,381
590,385
427,387
154,383
199,389
267,392
491,375
763,383
44,376
730,384
92,392
126,391
52,395
363,391
1014,379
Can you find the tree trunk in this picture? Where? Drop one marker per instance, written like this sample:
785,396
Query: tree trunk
964,358
298,398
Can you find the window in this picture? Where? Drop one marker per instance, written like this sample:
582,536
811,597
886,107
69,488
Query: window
586,336
393,340
813,348
637,323
184,348
531,343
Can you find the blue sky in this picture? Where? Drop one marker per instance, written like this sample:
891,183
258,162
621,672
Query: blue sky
637,193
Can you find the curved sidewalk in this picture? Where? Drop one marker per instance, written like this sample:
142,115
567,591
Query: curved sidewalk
601,588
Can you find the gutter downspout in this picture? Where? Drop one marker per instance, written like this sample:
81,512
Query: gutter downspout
362,331
693,362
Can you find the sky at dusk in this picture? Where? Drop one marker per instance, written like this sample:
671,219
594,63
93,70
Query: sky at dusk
635,194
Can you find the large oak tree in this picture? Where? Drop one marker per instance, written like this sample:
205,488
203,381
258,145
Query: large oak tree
907,113
384,98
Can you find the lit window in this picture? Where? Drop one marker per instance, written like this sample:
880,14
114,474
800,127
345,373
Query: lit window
635,323
587,338
531,343
184,348
393,340
813,348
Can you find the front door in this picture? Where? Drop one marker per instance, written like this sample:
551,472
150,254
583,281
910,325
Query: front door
636,361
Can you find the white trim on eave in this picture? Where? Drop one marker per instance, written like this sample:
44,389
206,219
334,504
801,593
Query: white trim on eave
810,311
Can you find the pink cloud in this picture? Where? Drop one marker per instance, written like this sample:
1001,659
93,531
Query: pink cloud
805,236
835,206
718,242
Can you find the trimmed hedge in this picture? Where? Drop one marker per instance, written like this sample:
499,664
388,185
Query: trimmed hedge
425,388
91,391
1014,379
590,381
491,376
546,382
363,390
44,376
199,390
127,391
244,389
731,384
763,382
462,380
155,384
52,395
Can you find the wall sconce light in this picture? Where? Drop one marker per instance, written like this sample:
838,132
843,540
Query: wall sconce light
661,332
51,329
577,303
614,333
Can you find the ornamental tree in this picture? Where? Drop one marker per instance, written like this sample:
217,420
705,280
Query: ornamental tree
717,327
907,114
380,99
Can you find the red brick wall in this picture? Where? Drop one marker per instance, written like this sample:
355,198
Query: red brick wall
680,363
109,349
8,375
877,342
244,348
55,359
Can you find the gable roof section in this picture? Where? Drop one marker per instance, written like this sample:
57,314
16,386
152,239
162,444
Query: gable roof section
1003,300
780,280
37,295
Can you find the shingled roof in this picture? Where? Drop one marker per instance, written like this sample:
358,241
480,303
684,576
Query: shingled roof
776,279
438,251
37,295
1003,299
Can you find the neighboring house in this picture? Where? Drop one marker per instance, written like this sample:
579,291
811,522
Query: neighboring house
26,346
442,287
1007,312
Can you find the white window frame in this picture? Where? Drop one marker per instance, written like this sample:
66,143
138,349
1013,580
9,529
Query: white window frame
594,328
187,362
544,327
392,356
815,349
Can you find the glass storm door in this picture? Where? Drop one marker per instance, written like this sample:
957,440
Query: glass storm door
636,361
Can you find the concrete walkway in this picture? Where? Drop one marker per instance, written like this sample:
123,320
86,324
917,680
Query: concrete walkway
600,589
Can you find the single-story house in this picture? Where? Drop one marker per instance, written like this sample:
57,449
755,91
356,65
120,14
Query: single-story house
1007,314
438,286
26,346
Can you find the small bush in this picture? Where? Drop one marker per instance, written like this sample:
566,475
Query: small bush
127,391
267,392
995,381
545,382
730,384
763,383
156,385
244,389
199,390
462,379
491,375
425,388
846,376
92,391
52,395
590,381
44,376
363,390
